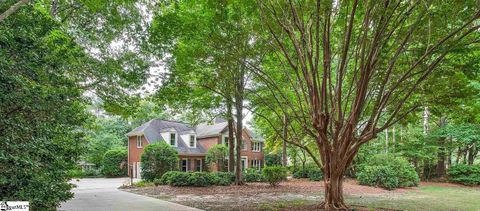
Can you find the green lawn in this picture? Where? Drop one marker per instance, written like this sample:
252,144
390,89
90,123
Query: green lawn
426,198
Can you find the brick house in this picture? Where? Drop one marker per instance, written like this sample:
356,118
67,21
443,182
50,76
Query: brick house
191,143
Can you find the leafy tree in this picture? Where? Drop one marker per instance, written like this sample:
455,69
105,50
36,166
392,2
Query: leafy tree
216,155
157,159
354,66
41,109
102,135
115,163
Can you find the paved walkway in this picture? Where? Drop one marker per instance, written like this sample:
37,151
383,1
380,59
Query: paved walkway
102,194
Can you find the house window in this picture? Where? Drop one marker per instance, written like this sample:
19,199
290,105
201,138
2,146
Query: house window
198,165
242,144
225,141
244,164
257,164
256,147
139,142
192,141
184,165
173,139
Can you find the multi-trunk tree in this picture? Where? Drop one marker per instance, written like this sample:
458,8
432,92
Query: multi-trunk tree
352,61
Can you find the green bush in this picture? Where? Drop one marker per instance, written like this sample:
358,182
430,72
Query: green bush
196,179
253,175
157,159
310,171
465,174
180,179
315,174
222,178
200,179
274,174
75,173
166,178
378,176
115,163
387,171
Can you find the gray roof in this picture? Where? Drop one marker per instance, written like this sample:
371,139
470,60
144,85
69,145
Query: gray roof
152,129
255,137
206,130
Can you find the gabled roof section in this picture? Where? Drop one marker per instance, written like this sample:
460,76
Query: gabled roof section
254,136
152,131
208,130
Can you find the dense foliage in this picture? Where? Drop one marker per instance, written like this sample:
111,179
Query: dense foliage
465,174
216,156
115,163
158,158
387,171
274,174
253,175
195,179
41,109
310,171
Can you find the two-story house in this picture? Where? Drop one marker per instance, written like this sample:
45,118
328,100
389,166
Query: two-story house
192,143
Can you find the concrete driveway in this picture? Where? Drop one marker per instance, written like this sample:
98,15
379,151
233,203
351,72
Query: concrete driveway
103,194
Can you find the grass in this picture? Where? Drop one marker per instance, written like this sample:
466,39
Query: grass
427,197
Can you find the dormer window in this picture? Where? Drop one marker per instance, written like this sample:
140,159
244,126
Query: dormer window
192,141
139,142
173,139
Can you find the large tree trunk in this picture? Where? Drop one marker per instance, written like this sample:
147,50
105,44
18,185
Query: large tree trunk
334,192
231,144
239,97
238,136
471,155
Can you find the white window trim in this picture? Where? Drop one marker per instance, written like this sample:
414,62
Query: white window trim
187,164
139,142
246,161
176,139
256,147
201,165
194,141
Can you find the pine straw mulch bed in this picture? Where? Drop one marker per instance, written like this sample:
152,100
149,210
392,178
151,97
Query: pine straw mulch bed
294,194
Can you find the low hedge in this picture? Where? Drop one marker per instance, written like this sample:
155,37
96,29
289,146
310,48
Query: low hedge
387,171
195,179
274,174
311,172
464,174
253,175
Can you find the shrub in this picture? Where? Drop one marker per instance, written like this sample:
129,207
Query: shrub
465,174
115,163
166,178
157,159
222,178
387,171
315,174
216,156
253,175
75,173
312,172
378,176
200,179
274,174
180,179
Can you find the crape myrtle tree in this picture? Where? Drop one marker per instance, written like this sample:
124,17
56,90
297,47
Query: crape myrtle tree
353,66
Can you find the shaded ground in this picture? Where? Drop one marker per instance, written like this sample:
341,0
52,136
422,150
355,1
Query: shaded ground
306,195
